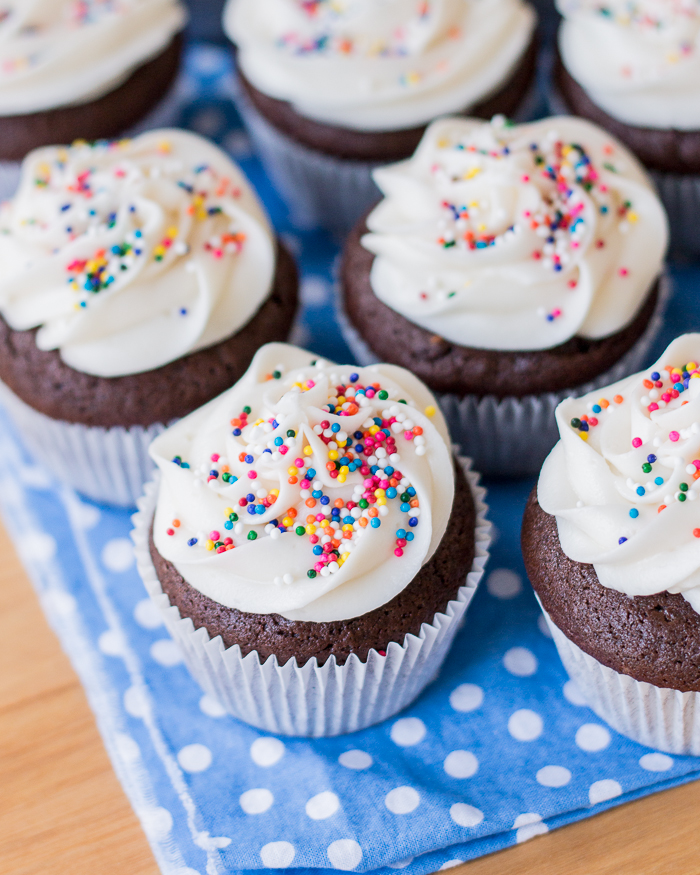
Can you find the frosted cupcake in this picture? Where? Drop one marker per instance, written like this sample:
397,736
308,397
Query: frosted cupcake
611,540
312,542
330,89
508,266
82,70
635,70
139,278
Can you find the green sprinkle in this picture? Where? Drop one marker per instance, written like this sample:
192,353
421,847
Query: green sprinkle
246,410
252,536
300,530
311,573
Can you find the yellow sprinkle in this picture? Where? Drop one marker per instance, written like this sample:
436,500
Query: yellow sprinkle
171,232
310,529
333,455
228,511
347,527
164,147
287,521
584,435
308,451
632,217
373,429
443,143
380,501
342,478
274,492
210,545
430,410
292,471
340,400
379,492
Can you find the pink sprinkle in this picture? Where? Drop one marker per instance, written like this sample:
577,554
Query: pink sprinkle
284,449
215,457
593,421
319,517
214,536
623,271
673,436
252,475
299,463
398,552
653,406
636,442
317,567
524,178
370,393
313,539
310,384
305,484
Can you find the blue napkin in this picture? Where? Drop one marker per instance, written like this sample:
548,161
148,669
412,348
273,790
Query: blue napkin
499,750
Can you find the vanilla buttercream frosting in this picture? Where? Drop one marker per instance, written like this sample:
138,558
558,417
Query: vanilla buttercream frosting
61,52
127,255
639,61
309,489
516,237
379,65
623,480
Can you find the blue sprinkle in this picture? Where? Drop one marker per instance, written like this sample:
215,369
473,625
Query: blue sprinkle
358,435
640,490
597,408
651,458
634,513
260,509
137,233
310,474
622,540
348,521
335,427
374,469
317,493
376,522
409,536
655,375
318,549
401,533
354,378
389,470
678,387
228,525
250,497
183,311
413,521
236,432
659,481
278,441
191,542
249,459
252,510
411,491
391,492
325,500
268,451
405,507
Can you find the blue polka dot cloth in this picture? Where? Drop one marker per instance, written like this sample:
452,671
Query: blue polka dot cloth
499,750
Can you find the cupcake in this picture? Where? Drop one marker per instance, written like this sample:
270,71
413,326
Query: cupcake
634,69
329,90
508,266
82,70
139,279
611,541
312,542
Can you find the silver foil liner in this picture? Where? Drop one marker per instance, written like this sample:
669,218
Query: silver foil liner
108,465
165,114
321,190
312,700
511,437
661,718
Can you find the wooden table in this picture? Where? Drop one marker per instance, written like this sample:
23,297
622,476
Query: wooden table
63,812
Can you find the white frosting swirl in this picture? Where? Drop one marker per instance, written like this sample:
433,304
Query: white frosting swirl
516,237
379,65
626,498
234,474
639,61
131,254
63,52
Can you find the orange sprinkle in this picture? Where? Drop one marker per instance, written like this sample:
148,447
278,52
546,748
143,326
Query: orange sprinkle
363,522
618,399
310,519
604,403
373,512
293,480
339,502
292,513
176,523
310,502
661,507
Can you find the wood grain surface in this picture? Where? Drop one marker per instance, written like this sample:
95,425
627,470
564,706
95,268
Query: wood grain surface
63,812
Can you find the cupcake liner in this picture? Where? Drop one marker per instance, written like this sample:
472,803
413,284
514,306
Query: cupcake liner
679,193
165,114
513,436
321,190
657,717
108,465
312,700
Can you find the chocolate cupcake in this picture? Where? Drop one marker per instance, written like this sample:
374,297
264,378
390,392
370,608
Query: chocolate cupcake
611,541
139,279
312,540
328,91
635,70
83,70
508,266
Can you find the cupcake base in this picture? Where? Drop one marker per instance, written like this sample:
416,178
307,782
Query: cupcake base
632,658
314,700
324,173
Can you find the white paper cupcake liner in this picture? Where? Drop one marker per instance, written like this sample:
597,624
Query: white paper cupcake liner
320,190
165,114
512,436
313,700
657,717
108,465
